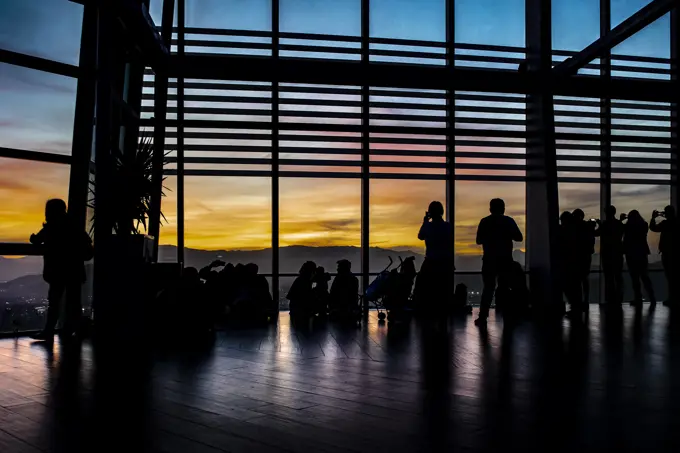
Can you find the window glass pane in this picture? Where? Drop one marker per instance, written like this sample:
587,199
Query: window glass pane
397,209
167,238
652,41
229,218
472,204
491,22
25,186
321,16
575,23
320,221
42,28
229,14
23,294
409,19
36,110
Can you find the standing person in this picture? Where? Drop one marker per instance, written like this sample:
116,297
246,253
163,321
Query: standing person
344,292
611,250
585,248
65,250
568,262
300,295
495,234
668,247
433,285
636,249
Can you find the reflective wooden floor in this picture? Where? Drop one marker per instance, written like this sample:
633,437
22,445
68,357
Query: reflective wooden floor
611,385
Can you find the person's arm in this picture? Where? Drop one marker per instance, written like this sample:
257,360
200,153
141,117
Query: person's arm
422,233
656,227
517,235
481,233
38,238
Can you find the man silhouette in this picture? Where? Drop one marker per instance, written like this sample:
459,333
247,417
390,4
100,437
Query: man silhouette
611,249
495,234
668,247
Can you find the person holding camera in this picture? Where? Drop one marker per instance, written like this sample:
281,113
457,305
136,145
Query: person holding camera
585,233
668,247
637,252
433,285
611,250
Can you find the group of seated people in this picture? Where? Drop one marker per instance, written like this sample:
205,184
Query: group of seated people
309,295
220,292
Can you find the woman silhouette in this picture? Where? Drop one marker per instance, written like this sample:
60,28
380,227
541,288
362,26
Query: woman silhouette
636,249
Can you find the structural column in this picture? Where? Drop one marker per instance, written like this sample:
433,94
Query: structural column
365,150
180,134
541,189
605,115
275,154
450,113
160,113
675,104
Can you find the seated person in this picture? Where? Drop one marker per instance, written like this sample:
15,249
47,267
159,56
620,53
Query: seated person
320,289
300,295
344,293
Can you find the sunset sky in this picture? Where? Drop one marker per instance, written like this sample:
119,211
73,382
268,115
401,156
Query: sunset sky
36,113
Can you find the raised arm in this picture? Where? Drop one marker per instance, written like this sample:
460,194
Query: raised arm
38,238
655,227
422,233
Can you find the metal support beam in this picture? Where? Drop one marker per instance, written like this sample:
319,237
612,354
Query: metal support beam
620,33
541,187
365,150
180,136
396,75
675,105
450,114
275,156
605,114
160,113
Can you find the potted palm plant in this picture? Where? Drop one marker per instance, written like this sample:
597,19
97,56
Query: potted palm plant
132,179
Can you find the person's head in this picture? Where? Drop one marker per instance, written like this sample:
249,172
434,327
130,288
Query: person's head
579,215
497,206
55,210
308,268
634,216
190,275
252,269
610,212
436,210
669,212
344,266
566,218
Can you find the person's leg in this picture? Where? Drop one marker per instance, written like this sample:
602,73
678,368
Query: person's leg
55,294
73,310
609,282
646,281
585,279
634,270
617,272
670,272
489,275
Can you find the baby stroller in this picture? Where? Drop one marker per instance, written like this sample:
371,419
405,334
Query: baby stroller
391,290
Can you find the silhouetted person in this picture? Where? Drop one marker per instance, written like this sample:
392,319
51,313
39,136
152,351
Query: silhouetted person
320,288
585,232
637,252
344,291
568,261
611,253
65,250
668,247
300,294
434,282
496,234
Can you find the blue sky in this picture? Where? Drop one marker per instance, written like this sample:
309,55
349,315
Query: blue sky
36,109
